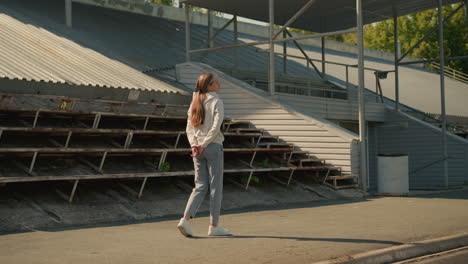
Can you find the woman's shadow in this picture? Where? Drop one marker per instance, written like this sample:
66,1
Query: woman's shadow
343,240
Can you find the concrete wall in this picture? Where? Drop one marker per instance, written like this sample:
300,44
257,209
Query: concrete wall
119,94
402,133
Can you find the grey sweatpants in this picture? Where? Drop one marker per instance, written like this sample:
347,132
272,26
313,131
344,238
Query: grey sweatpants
209,168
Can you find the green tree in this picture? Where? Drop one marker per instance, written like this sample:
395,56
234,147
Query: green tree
163,2
411,29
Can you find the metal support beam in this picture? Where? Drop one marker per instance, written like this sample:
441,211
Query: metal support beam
187,33
102,161
376,85
309,60
128,140
271,68
97,119
248,181
380,90
72,194
285,54
146,123
236,42
142,187
466,13
253,157
442,91
36,117
361,98
67,142
347,77
213,37
290,176
395,49
68,13
294,18
326,176
162,160
177,140
258,141
33,161
319,35
323,57
210,28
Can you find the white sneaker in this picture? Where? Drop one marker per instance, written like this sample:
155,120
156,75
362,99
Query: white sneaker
184,227
218,231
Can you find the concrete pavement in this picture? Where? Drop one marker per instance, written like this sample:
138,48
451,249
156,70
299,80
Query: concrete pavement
295,234
456,256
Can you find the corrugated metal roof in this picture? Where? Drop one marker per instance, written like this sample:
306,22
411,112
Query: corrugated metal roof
142,42
33,53
322,15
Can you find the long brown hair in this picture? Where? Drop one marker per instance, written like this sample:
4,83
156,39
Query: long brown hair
197,111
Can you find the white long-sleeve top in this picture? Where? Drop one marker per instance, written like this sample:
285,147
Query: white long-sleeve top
210,130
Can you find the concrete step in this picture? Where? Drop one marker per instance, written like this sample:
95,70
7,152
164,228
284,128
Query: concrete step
346,177
276,145
240,130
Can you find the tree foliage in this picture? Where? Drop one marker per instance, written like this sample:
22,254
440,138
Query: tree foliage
412,28
163,2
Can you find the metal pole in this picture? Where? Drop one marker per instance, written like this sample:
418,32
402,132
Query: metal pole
442,92
347,77
376,86
397,55
68,13
187,33
236,41
210,29
466,13
271,69
323,57
285,53
361,98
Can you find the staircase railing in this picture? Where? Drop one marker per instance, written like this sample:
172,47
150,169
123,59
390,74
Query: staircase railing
450,72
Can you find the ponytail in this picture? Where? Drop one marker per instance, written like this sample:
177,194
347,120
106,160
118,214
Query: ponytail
197,110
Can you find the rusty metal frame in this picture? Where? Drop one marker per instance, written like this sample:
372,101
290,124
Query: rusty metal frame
290,176
81,131
75,100
126,150
72,194
145,176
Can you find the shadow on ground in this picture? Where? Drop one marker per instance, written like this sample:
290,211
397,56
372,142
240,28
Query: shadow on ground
341,240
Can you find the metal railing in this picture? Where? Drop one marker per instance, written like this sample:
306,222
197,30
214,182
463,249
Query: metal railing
378,73
306,90
450,72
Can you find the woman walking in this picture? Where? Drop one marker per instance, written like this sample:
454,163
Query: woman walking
205,116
